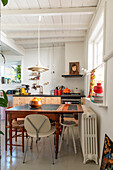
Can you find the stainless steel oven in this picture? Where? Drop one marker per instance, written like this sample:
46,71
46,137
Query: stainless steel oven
71,98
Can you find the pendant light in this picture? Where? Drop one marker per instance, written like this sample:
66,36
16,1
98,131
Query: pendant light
38,68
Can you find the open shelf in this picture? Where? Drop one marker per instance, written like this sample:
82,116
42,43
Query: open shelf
70,76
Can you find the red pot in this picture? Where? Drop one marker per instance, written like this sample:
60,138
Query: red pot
98,88
66,90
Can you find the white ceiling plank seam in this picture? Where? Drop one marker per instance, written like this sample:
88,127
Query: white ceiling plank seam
31,27
46,34
50,12
50,40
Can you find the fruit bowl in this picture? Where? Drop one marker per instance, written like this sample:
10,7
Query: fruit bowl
36,102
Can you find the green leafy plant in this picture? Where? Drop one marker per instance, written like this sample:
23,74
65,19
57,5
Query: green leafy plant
4,2
3,103
18,72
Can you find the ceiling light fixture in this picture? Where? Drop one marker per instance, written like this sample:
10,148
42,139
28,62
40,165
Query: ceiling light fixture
38,68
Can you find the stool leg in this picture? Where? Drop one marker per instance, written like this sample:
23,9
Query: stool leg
61,139
15,134
67,135
23,140
73,140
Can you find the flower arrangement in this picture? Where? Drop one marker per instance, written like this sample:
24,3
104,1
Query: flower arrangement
92,83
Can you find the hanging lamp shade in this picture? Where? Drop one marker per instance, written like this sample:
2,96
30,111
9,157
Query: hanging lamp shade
38,68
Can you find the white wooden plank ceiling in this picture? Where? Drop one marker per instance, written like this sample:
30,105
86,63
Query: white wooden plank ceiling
62,21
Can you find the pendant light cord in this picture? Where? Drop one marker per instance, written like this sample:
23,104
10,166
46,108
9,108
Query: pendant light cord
38,63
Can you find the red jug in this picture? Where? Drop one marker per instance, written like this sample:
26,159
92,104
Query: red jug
98,88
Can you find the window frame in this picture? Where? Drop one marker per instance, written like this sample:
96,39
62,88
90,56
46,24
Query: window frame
10,63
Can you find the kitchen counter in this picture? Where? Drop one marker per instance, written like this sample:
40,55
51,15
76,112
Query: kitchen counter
48,95
37,95
46,98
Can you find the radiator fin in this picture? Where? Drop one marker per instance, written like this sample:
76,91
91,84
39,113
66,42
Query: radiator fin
88,134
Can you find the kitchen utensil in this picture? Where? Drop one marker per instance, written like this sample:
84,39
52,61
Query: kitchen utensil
55,92
59,92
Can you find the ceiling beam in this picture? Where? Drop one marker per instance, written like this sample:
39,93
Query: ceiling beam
34,27
49,12
49,40
46,34
11,45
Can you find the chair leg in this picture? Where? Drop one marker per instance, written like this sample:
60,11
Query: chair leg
26,135
67,135
74,140
52,156
60,144
26,149
23,140
37,146
31,142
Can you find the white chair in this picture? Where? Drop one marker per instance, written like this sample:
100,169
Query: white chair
38,126
68,124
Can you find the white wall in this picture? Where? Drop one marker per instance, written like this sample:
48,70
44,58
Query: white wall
47,59
74,52
55,60
105,115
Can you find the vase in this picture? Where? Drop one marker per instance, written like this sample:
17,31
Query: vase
98,88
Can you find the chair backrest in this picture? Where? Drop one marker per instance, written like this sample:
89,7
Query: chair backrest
40,122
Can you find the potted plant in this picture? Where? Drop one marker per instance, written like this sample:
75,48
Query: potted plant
3,103
4,2
4,100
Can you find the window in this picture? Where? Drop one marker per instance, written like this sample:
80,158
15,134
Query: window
95,56
98,49
95,46
11,72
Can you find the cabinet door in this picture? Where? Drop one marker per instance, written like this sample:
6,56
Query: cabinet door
24,100
48,100
56,100
52,100
15,101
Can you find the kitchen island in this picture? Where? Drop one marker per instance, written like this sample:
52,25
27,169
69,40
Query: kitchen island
46,98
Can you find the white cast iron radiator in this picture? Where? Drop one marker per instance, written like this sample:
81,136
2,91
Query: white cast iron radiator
88,134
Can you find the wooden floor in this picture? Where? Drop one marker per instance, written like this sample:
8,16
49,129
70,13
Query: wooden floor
41,159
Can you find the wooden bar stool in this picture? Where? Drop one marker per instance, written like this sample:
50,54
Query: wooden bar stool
17,127
67,125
